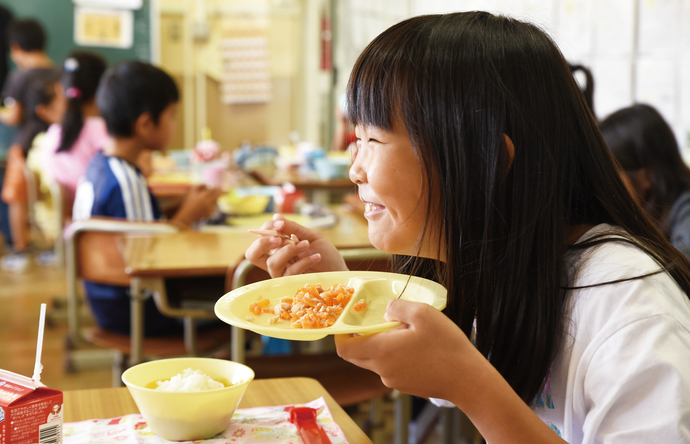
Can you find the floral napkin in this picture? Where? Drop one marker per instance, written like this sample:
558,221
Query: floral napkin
265,425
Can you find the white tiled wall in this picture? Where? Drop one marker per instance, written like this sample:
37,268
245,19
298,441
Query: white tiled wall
638,50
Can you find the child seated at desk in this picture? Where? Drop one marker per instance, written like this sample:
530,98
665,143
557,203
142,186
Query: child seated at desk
138,103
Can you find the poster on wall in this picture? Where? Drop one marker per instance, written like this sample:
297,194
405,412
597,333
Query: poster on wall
112,28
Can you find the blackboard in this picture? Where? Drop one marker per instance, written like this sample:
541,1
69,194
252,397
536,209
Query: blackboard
57,18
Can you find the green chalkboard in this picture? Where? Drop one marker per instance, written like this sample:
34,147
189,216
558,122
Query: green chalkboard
57,17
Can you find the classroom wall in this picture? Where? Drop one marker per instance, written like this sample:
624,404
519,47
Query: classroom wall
197,63
638,50
57,17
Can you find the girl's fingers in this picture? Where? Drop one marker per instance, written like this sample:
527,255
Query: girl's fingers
302,265
258,251
285,256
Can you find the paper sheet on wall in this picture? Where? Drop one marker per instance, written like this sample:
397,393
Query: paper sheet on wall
658,26
656,85
574,33
615,27
613,80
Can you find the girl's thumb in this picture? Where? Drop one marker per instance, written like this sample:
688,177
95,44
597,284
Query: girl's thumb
396,311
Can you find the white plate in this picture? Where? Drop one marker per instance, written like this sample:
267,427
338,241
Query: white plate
376,288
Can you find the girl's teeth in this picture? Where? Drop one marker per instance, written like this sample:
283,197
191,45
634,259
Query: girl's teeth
369,207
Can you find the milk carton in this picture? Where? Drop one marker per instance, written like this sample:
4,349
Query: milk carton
29,412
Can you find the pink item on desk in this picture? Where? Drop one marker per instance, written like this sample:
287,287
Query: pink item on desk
265,425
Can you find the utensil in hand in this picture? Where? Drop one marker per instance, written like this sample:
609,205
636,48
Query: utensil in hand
307,427
292,237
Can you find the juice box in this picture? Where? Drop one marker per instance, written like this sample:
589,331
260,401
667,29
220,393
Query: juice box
29,412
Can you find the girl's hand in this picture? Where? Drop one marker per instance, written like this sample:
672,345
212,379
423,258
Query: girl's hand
427,356
283,257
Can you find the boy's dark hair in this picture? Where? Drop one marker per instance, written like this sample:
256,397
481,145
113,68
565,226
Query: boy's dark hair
28,34
81,73
130,89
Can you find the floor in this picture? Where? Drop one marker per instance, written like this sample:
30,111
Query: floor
21,296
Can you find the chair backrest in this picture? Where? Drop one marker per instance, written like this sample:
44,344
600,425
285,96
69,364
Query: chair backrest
92,253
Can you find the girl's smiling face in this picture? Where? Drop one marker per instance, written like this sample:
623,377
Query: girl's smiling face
393,187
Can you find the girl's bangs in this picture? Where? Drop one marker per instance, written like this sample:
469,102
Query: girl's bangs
377,87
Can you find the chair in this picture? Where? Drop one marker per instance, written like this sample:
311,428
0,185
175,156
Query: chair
60,207
92,254
348,384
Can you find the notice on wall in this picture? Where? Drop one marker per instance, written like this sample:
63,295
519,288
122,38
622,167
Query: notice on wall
104,27
246,71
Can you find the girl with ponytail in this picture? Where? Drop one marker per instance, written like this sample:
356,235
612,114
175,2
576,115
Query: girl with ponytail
70,145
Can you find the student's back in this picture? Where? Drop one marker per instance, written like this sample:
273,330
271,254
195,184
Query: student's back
69,146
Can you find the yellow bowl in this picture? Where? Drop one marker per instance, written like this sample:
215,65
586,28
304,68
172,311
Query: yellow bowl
187,416
231,203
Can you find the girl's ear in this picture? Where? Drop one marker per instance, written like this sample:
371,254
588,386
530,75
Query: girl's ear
510,149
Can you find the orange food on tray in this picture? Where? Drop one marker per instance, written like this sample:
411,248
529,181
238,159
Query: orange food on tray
310,307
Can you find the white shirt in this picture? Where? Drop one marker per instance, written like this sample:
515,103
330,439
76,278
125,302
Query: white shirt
623,375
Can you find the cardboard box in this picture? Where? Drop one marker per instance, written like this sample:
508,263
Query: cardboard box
29,413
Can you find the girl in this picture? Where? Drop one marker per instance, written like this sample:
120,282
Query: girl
477,155
44,104
71,144
645,146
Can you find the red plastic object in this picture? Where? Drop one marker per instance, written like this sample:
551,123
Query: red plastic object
305,420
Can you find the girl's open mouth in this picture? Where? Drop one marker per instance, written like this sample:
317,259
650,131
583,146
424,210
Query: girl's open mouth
372,208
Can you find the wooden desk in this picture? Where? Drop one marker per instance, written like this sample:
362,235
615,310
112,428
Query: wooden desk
150,258
195,253
80,405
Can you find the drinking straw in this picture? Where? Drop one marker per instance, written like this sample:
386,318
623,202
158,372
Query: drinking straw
39,346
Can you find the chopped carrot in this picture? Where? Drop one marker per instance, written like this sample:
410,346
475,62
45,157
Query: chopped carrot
361,305
311,307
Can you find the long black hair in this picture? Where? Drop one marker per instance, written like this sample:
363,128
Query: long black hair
640,138
588,87
40,91
81,72
459,83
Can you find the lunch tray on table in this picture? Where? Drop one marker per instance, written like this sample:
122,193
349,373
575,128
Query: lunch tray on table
265,425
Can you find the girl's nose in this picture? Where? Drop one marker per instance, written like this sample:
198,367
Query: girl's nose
357,173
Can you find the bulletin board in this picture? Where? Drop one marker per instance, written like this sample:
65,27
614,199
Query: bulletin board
57,18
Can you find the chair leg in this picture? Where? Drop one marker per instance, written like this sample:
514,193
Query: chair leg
376,421
118,367
402,416
190,336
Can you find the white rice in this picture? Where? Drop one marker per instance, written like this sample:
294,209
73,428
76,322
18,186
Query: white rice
189,381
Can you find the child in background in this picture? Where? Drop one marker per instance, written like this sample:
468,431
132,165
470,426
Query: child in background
6,132
27,42
647,150
70,145
138,103
44,104
479,161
